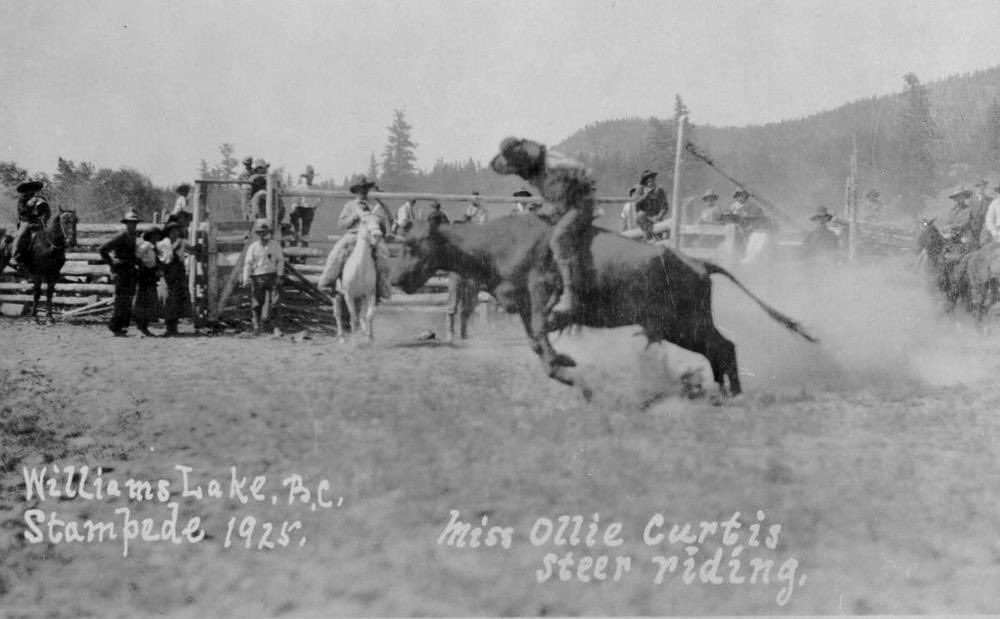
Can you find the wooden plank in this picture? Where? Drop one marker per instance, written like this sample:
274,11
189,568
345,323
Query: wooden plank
109,229
27,298
91,289
211,267
83,257
232,227
308,252
93,308
442,197
76,269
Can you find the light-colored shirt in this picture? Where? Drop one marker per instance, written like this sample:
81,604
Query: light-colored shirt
711,215
407,215
350,217
168,250
145,253
992,222
263,258
476,213
180,204
302,202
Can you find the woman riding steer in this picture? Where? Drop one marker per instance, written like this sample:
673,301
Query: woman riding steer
568,185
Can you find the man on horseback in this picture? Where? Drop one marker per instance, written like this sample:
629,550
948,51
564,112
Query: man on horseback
568,185
33,211
350,218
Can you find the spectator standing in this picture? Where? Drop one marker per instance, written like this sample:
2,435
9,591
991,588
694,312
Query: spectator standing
119,254
146,309
172,252
263,268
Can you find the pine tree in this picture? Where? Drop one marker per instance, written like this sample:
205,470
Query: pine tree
918,134
372,169
226,169
398,158
992,135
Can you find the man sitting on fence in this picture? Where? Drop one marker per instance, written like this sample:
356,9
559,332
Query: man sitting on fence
349,220
650,204
33,212
304,209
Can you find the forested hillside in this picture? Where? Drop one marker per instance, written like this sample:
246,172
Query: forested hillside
912,146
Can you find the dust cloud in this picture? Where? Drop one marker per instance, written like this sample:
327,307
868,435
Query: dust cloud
879,326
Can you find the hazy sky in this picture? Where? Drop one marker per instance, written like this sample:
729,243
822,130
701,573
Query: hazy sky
159,85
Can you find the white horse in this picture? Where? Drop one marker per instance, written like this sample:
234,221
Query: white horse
356,286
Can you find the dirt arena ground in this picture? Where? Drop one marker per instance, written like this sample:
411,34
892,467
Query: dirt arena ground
877,453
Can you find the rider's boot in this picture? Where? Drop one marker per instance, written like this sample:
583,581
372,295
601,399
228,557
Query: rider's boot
568,300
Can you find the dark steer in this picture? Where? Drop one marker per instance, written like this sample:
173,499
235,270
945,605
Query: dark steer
669,295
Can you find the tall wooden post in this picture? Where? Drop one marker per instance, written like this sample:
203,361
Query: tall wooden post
675,220
269,209
192,261
852,206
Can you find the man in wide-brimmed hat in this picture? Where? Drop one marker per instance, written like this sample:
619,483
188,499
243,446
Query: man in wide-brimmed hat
821,240
33,211
650,202
958,224
263,268
120,254
754,225
350,219
979,203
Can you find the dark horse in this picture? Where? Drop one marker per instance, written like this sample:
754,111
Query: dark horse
667,293
45,256
942,259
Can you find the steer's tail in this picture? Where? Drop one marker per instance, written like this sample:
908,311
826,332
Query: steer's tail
789,323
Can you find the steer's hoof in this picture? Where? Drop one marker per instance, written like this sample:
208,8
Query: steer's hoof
564,361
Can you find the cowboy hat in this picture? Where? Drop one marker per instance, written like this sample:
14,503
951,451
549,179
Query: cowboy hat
522,193
710,194
962,194
261,225
183,187
29,187
740,192
647,174
131,215
149,234
871,195
821,214
361,185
